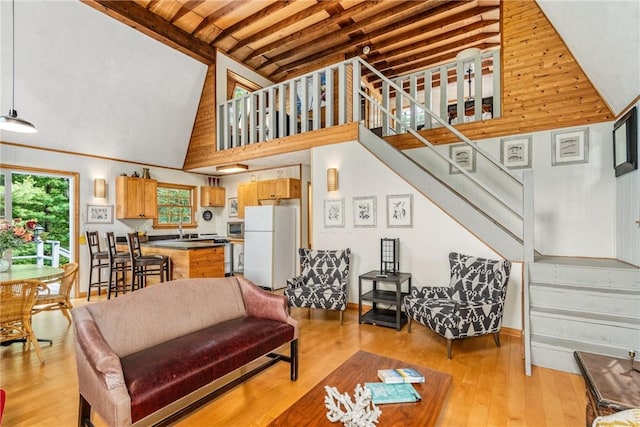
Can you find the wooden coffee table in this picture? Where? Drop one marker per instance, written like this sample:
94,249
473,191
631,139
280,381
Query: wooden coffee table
363,367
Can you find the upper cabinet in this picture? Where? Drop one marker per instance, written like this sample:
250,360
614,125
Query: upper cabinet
212,196
247,196
136,198
281,188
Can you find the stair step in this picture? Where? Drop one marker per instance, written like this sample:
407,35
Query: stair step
592,273
578,298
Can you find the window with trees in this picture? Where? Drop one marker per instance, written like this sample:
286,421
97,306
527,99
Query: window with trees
176,205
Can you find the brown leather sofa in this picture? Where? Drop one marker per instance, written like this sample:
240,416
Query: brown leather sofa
155,352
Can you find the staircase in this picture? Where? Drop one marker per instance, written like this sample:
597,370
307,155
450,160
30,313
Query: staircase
582,304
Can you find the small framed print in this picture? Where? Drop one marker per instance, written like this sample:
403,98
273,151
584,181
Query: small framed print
464,156
99,214
400,210
515,153
233,207
364,211
334,213
570,147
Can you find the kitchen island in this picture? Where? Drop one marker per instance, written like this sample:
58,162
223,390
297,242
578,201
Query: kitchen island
189,258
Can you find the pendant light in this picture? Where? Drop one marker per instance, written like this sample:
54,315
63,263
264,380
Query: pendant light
12,122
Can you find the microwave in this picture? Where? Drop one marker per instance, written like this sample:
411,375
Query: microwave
235,230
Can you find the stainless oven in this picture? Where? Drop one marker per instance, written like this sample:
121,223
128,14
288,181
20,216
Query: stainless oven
235,230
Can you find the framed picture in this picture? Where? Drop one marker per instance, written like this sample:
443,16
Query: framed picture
570,147
464,156
233,207
364,211
334,213
515,153
99,214
400,210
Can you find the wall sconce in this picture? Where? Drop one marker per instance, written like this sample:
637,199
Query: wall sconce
332,179
99,188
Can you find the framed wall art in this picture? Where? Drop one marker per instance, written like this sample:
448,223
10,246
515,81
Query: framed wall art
364,211
570,147
334,213
99,214
233,207
515,153
464,156
400,210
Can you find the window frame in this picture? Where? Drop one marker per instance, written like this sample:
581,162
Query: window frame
194,206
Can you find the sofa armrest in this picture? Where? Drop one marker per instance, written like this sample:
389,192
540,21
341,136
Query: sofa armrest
99,355
259,303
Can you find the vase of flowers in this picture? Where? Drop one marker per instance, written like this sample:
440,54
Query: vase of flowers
13,235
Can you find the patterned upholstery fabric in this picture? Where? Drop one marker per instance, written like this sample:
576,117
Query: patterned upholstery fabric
471,305
323,280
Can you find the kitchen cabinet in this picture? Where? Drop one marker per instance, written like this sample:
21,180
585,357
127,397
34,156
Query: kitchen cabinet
247,196
136,198
281,188
212,196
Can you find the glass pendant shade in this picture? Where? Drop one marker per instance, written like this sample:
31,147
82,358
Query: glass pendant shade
13,123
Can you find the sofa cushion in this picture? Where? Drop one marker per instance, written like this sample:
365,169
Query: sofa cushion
161,374
128,322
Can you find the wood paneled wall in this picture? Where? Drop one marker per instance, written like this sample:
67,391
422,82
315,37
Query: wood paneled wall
203,136
543,85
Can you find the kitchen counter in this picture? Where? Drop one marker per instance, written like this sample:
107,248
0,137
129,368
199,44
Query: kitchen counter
184,245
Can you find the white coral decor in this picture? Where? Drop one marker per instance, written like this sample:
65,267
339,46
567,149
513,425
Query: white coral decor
362,413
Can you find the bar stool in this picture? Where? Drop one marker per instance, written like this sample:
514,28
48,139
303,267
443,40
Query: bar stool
143,266
99,260
118,267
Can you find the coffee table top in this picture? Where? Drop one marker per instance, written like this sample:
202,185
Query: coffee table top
363,367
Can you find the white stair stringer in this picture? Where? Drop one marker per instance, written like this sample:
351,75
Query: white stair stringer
485,228
577,307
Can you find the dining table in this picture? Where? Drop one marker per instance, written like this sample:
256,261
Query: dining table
44,273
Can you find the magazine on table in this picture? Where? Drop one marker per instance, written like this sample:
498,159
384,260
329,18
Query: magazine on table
382,393
400,375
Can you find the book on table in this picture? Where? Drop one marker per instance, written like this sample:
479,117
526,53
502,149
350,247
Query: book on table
400,375
382,393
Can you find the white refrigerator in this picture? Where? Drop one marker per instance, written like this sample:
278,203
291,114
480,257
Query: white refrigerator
269,245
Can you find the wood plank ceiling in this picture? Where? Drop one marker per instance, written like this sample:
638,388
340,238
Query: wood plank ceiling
281,39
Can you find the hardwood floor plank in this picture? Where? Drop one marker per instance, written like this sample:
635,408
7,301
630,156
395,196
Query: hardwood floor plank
489,386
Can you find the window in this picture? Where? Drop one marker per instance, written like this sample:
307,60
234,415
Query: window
176,204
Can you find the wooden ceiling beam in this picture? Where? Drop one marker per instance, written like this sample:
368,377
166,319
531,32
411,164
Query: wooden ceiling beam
187,7
315,30
293,19
209,20
351,47
147,22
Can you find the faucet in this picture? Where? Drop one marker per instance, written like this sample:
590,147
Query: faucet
180,231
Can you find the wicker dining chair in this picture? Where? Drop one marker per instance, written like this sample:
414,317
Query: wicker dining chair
16,301
52,299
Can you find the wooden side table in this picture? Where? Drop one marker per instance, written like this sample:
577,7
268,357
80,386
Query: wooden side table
611,384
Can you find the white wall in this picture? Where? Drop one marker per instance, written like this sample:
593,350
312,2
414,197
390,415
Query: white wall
423,248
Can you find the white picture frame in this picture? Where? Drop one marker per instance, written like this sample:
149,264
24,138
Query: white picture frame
400,210
334,213
464,156
99,214
364,211
233,207
515,152
570,147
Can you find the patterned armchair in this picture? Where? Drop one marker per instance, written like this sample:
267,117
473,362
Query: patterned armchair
323,280
470,306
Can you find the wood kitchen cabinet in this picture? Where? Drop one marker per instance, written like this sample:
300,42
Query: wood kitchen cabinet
212,196
281,188
247,196
136,198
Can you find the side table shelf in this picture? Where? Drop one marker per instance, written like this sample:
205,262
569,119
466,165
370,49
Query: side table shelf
392,316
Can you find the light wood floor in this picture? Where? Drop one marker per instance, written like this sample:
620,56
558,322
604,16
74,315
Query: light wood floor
489,386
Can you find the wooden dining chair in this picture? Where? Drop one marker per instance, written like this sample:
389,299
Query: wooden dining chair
16,301
57,295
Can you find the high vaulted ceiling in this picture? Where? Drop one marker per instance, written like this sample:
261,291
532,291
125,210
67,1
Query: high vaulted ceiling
280,39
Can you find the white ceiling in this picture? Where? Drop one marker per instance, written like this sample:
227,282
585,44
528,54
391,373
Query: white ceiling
94,85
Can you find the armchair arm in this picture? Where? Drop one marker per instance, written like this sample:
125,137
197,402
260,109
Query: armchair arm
99,355
294,282
430,292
